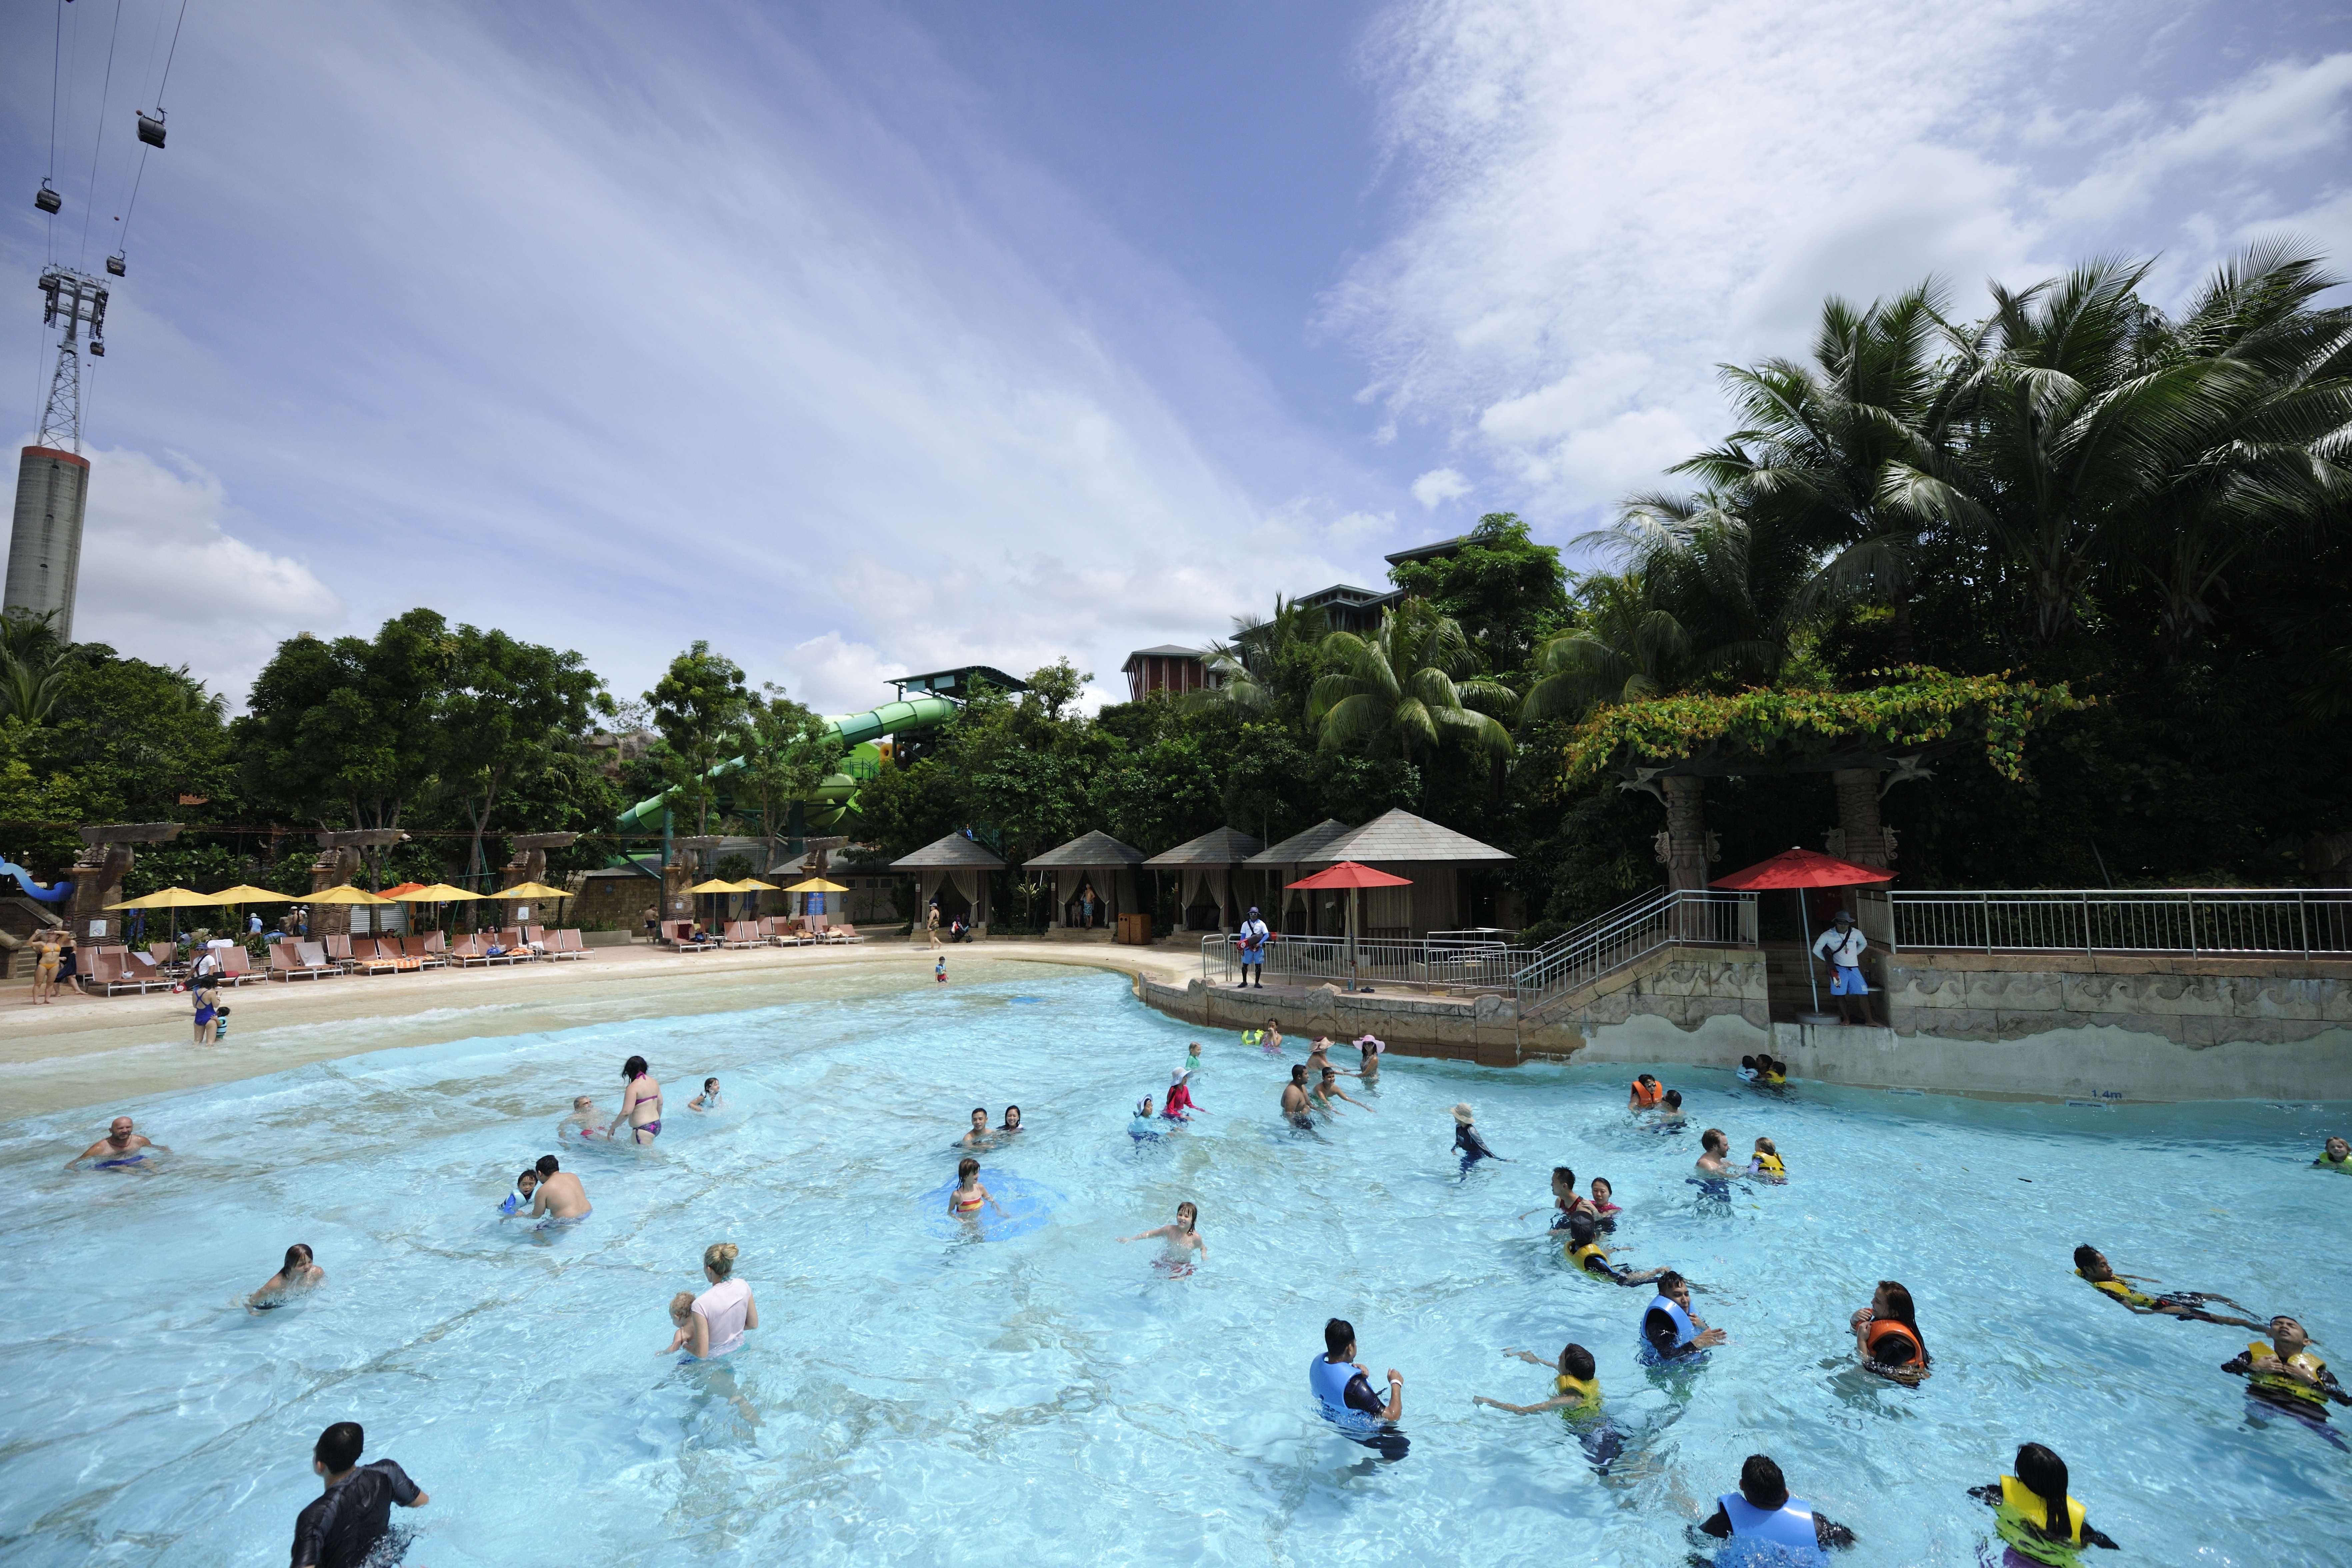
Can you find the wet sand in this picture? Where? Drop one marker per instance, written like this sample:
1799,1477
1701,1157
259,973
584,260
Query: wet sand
89,1050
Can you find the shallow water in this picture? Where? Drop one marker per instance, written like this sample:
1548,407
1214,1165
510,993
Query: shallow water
917,1395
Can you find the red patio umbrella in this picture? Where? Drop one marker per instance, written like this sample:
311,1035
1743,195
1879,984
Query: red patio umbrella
1350,875
1798,869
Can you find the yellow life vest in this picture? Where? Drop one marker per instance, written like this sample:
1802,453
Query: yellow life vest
2324,1163
1252,1037
1586,1389
1770,1165
1591,1249
2023,1522
2119,1290
2279,1382
1775,1078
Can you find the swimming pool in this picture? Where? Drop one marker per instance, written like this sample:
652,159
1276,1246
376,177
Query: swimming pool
911,1396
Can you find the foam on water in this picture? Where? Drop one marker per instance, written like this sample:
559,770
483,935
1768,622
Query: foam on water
914,1397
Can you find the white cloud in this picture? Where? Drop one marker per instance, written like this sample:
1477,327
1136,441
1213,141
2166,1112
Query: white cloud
1439,485
834,675
164,579
1600,205
1361,528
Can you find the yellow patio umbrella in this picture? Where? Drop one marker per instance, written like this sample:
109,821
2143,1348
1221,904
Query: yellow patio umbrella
753,885
713,886
168,899
245,893
434,893
816,885
347,894
531,892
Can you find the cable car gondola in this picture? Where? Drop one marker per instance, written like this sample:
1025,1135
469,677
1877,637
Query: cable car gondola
98,347
47,200
150,127
118,264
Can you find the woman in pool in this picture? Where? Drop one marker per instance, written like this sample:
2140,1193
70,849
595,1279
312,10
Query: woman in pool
2034,1514
1886,1333
1012,1123
1183,1240
297,1275
979,1136
1369,1049
1604,1212
721,1315
965,1202
640,1102
208,1009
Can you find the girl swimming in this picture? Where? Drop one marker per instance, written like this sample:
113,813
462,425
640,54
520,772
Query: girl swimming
964,1202
1182,1236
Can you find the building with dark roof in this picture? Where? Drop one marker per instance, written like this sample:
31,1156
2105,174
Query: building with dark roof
1168,669
957,684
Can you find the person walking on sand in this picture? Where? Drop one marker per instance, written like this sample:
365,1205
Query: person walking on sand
931,923
49,951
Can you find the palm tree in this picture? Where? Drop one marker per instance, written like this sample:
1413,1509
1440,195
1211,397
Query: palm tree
1409,684
1246,674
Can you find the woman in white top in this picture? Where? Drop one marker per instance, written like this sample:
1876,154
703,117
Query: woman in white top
722,1312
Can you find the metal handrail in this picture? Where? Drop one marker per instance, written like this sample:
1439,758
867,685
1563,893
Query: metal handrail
2198,922
1392,961
1678,916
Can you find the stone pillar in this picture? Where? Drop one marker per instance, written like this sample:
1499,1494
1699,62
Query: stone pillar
1684,845
97,875
684,870
338,865
1863,832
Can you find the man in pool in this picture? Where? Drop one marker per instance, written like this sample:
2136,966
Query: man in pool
979,1136
1294,1100
343,1527
1663,1324
1344,1389
1713,1153
2286,1373
1762,1510
121,1150
560,1196
2091,1264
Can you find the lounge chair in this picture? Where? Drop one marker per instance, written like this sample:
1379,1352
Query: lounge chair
476,949
679,935
744,933
164,956
567,945
518,945
286,962
416,950
373,958
337,951
236,966
845,932
110,971
315,955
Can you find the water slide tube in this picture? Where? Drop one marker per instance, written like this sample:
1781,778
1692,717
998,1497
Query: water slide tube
848,730
56,894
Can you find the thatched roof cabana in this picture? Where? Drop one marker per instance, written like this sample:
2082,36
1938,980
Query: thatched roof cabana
1278,864
954,859
1207,864
1094,860
1438,860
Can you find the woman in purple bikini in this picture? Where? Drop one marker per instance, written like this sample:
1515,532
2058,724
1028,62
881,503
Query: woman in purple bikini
640,1102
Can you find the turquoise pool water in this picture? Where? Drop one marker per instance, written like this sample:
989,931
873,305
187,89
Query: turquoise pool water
915,1396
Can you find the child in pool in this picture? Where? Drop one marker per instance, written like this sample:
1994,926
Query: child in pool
1139,1125
681,1316
964,1202
940,972
518,1200
1765,1164
708,1099
1183,1237
1193,1060
1670,1110
582,1118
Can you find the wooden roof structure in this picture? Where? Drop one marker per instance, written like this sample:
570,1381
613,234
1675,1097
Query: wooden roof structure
1300,848
1399,836
1218,846
953,853
1089,852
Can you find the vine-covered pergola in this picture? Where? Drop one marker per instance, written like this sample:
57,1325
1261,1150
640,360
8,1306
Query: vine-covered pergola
1669,747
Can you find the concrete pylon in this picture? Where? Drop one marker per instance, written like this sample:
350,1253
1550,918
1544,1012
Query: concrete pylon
1684,846
97,875
1864,838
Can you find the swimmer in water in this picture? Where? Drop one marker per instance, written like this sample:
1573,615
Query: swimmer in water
1193,1060
1141,1125
2091,1265
582,1118
1765,1164
1583,1249
1714,1150
1604,1212
1318,1061
1180,1097
518,1200
297,1275
681,1318
1670,1109
1272,1038
1762,1510
1576,1394
121,1150
640,1102
1473,1147
2036,1517
560,1198
1772,1072
1182,1236
1670,1329
2286,1373
2337,1155
1328,1089
1371,1050
979,1136
1745,1072
965,1202
1886,1335
1012,1123
1645,1095
708,1099
1295,1103
1564,1200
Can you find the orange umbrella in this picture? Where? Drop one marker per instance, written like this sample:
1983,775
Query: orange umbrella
1351,875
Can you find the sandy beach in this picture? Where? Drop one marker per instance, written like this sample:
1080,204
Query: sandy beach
88,1050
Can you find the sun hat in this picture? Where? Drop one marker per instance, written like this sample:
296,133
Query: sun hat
1179,1076
1461,1114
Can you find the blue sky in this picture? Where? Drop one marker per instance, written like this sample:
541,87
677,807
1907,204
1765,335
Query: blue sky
859,338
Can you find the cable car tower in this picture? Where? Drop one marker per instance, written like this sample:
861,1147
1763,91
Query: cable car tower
52,476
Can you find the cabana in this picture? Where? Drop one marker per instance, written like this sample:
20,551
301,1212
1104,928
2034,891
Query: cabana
1438,860
957,861
1279,863
1206,865
1097,861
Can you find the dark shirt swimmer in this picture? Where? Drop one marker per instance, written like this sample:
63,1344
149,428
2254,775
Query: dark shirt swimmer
342,1526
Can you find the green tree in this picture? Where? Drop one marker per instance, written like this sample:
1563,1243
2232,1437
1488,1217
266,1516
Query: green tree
349,729
699,705
1407,688
508,707
1506,591
788,753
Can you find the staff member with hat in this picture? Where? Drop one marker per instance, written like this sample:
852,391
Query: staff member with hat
1844,944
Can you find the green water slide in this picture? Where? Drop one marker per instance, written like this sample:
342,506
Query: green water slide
856,732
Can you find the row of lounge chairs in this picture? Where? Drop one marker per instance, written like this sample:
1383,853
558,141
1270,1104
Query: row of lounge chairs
291,960
770,930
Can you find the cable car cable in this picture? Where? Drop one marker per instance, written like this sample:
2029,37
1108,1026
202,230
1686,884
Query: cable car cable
104,93
174,55
122,244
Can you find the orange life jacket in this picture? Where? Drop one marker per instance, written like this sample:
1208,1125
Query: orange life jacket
1646,1096
1883,1328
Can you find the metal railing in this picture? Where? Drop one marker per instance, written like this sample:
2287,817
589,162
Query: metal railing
1684,917
1441,962
2198,922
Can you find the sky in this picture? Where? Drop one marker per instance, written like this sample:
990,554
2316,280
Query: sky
888,336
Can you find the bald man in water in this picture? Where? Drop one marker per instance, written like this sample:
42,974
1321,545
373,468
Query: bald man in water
121,1149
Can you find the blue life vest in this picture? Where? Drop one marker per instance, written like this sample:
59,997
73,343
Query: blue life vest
1327,1381
1787,1532
1684,1330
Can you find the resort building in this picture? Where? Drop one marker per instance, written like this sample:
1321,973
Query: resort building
1168,669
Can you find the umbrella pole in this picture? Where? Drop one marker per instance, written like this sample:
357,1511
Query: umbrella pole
1352,966
1804,925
